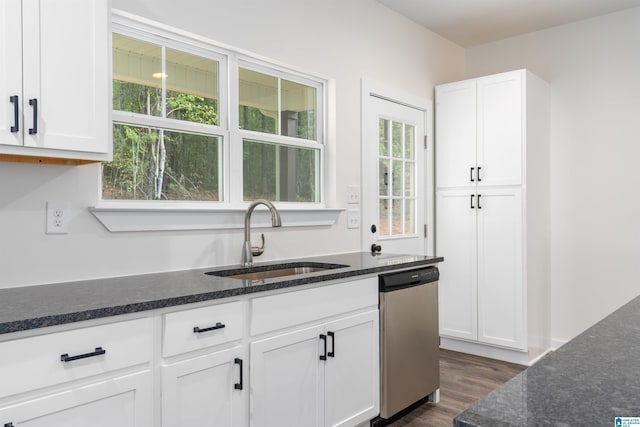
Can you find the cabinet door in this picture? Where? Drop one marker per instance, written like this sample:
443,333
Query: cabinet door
456,134
66,68
11,75
202,391
500,129
456,241
500,271
352,376
286,380
123,402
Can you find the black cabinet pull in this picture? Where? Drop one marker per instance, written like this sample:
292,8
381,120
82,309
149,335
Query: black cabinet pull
472,207
471,174
479,195
332,353
478,174
8,425
34,103
218,325
323,356
238,386
66,358
16,121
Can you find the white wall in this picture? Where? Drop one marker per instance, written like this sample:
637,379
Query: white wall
345,40
594,70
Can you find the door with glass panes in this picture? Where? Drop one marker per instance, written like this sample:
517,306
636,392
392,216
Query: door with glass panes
394,182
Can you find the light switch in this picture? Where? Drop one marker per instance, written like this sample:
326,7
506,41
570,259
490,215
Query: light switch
353,194
353,218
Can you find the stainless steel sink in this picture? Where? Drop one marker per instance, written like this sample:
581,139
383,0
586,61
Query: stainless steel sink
263,272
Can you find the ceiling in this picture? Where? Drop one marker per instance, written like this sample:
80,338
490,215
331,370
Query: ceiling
472,22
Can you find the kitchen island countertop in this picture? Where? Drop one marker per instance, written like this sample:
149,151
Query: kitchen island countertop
589,381
32,307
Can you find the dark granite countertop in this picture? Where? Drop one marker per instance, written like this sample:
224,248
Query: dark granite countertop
589,381
32,307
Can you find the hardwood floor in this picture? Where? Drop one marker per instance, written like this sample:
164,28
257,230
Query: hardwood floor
463,380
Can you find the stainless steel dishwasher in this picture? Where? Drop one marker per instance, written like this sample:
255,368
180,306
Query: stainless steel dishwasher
409,341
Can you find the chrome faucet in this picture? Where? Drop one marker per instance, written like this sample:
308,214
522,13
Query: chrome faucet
249,251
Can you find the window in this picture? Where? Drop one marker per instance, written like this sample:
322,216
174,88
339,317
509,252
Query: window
182,128
396,178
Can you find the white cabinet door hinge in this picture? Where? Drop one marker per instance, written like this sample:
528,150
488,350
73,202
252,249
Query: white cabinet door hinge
425,141
425,231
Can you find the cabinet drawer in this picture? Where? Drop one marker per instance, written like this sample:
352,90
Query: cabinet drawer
204,327
32,363
283,310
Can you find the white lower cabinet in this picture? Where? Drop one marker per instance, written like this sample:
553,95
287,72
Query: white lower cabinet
324,375
481,292
301,358
205,391
124,401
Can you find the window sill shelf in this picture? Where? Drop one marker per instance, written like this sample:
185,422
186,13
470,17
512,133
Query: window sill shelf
123,217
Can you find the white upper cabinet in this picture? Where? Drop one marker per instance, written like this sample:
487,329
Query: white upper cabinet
10,72
56,61
479,129
499,124
456,134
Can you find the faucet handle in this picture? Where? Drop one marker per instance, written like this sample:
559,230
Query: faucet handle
258,250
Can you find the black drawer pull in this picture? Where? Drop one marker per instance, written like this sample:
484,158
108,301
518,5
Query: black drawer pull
323,356
34,103
478,174
16,121
471,174
66,358
218,325
332,353
479,195
472,207
238,386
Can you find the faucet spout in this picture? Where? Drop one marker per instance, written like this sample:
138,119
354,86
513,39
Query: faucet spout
248,251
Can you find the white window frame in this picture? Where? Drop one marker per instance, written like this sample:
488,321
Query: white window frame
145,215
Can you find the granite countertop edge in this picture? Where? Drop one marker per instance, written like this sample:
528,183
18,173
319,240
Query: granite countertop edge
39,306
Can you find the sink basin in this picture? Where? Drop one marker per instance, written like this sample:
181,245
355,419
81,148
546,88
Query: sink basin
263,272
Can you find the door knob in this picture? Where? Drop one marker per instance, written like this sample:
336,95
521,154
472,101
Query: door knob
375,249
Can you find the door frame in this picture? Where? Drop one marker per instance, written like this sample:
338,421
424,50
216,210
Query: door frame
382,91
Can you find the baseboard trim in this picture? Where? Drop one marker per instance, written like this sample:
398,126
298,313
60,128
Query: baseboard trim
556,344
513,356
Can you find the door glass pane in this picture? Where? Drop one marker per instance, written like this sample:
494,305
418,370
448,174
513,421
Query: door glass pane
137,76
396,178
383,177
258,101
409,179
157,164
396,217
383,217
383,142
280,172
192,87
298,110
409,216
409,141
396,138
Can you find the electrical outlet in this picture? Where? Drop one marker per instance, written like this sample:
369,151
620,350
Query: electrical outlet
353,218
353,194
57,217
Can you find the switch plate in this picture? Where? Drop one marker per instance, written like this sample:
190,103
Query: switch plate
353,194
57,217
353,218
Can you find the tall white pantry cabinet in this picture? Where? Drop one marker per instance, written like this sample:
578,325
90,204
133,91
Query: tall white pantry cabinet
492,215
